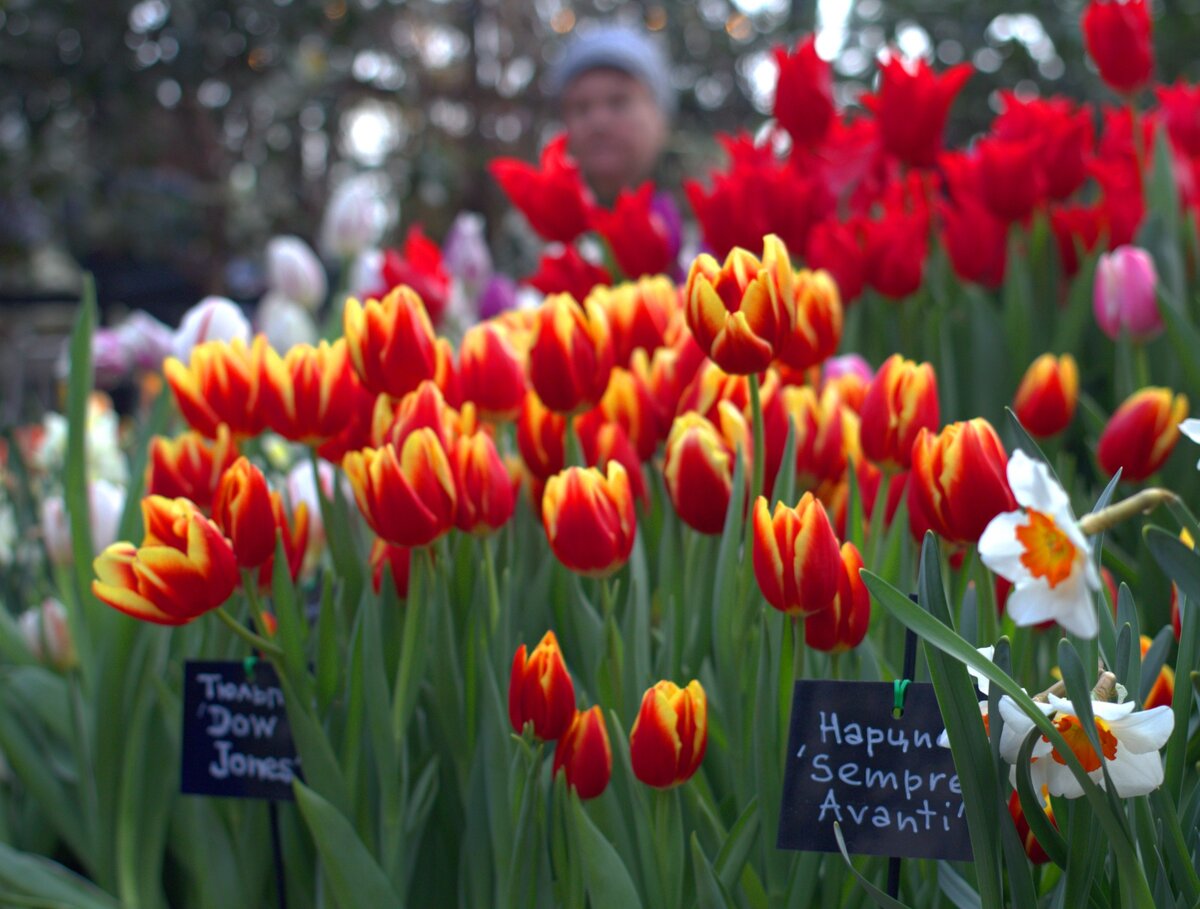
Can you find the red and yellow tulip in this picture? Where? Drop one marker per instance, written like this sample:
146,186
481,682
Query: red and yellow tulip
571,356
900,401
842,626
670,734
1046,398
391,342
738,310
304,392
814,321
959,477
184,568
1142,433
189,466
589,518
540,691
408,496
796,557
584,754
220,384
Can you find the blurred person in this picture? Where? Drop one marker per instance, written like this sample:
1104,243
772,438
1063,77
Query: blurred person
613,85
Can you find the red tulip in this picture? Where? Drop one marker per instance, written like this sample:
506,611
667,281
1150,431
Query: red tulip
551,196
804,93
1117,36
637,235
976,240
911,106
838,249
419,266
568,273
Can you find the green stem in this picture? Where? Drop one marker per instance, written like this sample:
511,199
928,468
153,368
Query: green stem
756,415
250,587
254,640
493,588
1141,366
797,648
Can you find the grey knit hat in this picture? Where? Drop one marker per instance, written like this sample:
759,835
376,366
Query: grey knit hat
615,47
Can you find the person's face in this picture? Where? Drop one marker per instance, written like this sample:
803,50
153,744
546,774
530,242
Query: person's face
615,129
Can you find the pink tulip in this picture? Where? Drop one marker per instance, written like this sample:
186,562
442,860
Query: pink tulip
1124,294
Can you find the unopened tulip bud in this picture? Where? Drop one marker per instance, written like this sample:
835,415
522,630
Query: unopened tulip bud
294,272
1142,433
1124,294
106,504
47,635
356,217
589,518
212,319
960,478
1046,398
900,401
796,557
285,323
242,509
670,734
540,691
584,754
843,626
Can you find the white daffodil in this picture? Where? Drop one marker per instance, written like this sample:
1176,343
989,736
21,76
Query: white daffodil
1043,552
1191,428
981,682
1129,743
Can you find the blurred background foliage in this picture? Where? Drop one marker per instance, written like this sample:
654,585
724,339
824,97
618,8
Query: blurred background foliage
160,144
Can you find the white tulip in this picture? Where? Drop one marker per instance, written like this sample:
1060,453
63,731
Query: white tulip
106,503
47,635
285,323
212,319
295,272
356,217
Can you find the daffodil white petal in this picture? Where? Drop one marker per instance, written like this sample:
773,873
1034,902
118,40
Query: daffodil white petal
999,547
1145,730
1133,774
1033,486
1191,428
1059,778
1069,604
